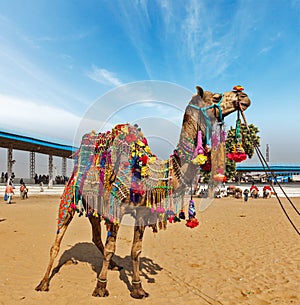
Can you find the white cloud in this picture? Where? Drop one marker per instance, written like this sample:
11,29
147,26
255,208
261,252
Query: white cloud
34,119
103,76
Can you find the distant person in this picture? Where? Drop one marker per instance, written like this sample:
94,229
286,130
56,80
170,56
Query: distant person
246,195
2,177
23,191
6,177
41,186
9,191
21,181
11,182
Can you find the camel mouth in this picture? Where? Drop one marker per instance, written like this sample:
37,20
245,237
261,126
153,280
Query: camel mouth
245,103
244,100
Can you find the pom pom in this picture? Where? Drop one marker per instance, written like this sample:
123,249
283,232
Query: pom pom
192,223
160,210
237,157
181,215
176,219
238,88
171,218
206,166
220,178
199,159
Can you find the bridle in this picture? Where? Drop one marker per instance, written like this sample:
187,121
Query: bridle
206,117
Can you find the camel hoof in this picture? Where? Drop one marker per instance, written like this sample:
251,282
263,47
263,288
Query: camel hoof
42,286
138,292
103,292
100,290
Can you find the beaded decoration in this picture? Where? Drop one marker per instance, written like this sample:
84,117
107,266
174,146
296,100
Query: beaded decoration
114,167
218,148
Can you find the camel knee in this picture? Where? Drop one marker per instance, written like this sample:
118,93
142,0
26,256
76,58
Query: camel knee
109,249
54,251
136,254
109,252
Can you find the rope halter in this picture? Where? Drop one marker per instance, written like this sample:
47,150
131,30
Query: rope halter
207,119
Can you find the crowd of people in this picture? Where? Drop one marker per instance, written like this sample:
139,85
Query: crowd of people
45,179
38,179
60,179
4,177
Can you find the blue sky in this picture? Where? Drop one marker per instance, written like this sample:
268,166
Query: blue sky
58,59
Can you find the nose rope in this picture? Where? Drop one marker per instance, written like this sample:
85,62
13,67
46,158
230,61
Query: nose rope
207,119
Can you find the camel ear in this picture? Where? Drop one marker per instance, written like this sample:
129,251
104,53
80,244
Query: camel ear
200,91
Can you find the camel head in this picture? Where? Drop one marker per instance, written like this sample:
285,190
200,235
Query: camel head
202,111
228,102
205,107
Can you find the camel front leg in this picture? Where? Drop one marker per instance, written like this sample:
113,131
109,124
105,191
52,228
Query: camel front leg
137,291
96,231
109,250
44,284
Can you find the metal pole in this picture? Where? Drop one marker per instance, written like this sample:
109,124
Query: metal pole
267,153
32,164
64,166
9,161
50,167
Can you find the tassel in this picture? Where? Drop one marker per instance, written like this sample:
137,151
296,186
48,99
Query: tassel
192,210
182,214
192,223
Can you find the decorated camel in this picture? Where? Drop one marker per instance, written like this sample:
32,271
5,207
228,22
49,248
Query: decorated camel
116,173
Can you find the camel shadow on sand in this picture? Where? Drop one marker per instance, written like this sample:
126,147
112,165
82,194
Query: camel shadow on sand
88,253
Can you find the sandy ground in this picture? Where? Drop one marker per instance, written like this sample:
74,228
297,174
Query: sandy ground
240,254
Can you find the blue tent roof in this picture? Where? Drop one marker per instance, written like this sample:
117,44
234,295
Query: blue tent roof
9,140
274,168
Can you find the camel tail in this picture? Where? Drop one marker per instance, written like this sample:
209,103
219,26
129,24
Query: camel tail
67,204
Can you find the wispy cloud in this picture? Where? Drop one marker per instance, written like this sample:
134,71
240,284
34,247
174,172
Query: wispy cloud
209,41
265,50
135,21
271,42
25,76
103,76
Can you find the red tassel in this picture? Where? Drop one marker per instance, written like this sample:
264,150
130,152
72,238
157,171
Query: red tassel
192,223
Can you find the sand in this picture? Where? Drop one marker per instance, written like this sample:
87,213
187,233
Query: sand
239,254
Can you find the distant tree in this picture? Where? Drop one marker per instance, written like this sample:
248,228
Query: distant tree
250,140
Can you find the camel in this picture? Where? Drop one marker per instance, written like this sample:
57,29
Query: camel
116,173
254,193
234,191
267,192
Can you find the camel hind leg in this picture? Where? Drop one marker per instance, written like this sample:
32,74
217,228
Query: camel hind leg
44,284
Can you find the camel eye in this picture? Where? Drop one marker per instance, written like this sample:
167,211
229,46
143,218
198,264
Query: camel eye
242,95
